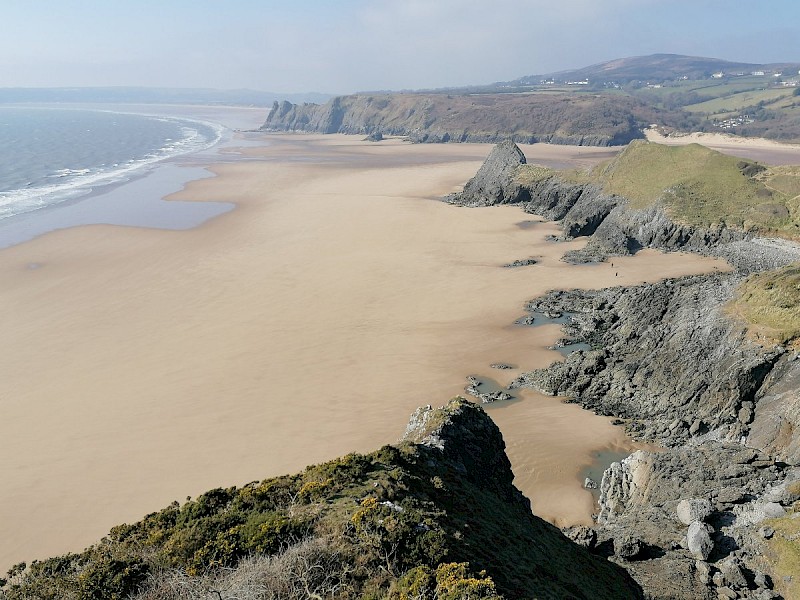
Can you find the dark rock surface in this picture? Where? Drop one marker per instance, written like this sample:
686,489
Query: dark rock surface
494,182
460,437
670,364
666,357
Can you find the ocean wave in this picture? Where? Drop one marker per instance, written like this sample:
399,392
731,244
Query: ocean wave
68,184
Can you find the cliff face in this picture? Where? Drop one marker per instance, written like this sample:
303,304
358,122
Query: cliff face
565,119
669,361
401,522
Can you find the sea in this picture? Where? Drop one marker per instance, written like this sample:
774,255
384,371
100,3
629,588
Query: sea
52,155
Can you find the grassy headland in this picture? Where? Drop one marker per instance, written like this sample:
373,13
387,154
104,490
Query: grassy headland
697,186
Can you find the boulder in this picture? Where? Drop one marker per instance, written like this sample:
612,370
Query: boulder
693,509
698,540
702,571
627,547
731,570
582,535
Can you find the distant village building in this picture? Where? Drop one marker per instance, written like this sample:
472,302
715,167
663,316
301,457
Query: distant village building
758,73
719,75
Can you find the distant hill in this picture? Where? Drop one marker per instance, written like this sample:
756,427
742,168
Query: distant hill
657,68
145,95
608,103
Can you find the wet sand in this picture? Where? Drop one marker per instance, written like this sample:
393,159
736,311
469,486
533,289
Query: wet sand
142,365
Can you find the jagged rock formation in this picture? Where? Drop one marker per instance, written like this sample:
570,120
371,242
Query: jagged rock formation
667,357
589,120
400,522
494,182
614,227
674,367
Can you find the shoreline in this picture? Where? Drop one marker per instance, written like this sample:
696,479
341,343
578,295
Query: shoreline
139,200
305,324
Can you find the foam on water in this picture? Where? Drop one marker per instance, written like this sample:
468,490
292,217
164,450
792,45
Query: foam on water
39,141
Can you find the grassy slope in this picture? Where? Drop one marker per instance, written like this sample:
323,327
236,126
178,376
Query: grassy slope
383,518
703,187
739,101
770,303
784,550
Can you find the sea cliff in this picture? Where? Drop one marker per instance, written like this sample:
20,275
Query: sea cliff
590,120
677,367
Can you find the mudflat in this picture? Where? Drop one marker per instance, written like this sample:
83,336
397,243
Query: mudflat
142,365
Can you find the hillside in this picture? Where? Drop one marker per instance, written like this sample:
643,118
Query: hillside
402,522
696,186
578,119
705,366
654,68
603,104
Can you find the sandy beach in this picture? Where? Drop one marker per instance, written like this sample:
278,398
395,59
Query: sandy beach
763,150
142,366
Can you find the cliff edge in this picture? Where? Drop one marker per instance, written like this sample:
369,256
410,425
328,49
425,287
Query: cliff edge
434,516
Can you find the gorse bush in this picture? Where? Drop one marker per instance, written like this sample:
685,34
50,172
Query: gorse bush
401,522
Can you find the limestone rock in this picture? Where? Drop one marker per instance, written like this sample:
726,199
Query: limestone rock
627,547
582,535
494,182
761,580
702,571
699,541
693,509
732,573
726,593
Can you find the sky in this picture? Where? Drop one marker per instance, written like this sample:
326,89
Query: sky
342,46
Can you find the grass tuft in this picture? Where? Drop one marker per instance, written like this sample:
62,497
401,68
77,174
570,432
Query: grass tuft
770,304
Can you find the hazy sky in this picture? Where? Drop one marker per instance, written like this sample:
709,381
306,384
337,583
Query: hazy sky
340,46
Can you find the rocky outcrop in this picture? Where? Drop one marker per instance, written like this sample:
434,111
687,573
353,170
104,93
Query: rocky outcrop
469,441
776,419
613,227
494,182
674,367
665,356
725,492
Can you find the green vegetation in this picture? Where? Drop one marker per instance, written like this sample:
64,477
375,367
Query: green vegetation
739,101
703,187
528,175
406,521
784,550
770,304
